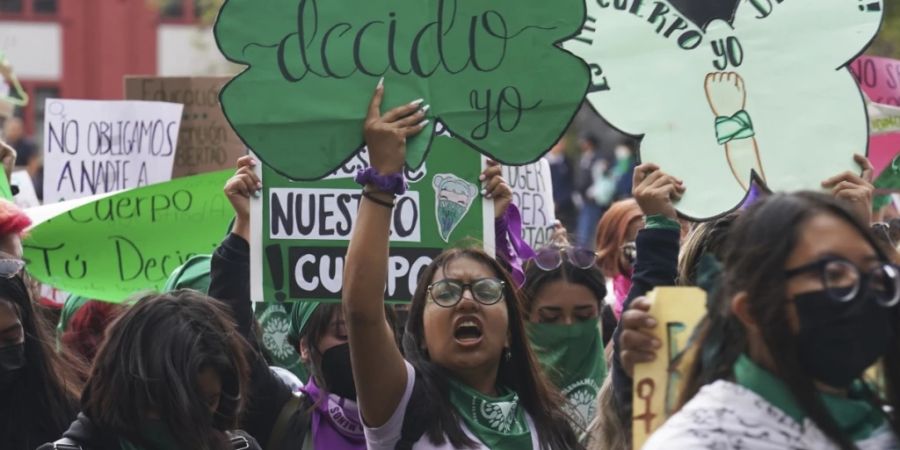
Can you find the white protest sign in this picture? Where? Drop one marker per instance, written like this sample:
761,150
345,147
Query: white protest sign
725,91
94,147
27,197
533,193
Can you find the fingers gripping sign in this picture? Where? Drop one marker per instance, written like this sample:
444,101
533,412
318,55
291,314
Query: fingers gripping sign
386,134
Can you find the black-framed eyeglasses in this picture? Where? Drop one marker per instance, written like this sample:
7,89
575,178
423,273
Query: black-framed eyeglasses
448,293
844,280
551,258
10,267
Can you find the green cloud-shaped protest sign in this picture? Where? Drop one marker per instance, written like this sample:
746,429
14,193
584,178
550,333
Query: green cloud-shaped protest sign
491,71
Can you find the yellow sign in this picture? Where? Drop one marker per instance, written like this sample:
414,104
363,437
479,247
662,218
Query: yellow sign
656,384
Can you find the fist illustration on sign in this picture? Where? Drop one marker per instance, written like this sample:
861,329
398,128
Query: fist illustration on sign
727,97
725,93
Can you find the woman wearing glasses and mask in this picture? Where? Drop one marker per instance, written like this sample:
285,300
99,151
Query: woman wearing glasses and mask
808,302
39,388
470,379
562,298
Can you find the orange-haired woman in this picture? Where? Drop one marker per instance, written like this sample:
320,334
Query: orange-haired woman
616,252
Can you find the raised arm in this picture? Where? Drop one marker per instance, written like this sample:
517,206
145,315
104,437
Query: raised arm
378,367
230,283
656,265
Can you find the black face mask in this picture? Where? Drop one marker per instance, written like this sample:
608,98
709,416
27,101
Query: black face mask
839,341
337,371
12,361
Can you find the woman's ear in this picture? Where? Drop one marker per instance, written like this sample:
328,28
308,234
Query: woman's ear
303,349
740,307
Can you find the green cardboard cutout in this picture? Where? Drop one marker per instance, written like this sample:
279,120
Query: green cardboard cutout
490,71
763,94
115,247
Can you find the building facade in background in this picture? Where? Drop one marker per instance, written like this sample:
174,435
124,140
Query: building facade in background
82,49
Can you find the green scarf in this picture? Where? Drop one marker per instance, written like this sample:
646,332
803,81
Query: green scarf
275,322
157,436
572,356
856,417
498,422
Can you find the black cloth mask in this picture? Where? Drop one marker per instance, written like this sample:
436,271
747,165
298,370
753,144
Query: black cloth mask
337,371
838,341
12,361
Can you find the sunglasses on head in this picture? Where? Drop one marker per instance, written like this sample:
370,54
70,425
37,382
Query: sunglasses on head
10,267
551,258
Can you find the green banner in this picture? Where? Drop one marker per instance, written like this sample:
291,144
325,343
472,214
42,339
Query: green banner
130,242
301,229
493,73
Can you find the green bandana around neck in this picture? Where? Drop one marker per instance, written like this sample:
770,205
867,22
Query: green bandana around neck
275,321
156,434
572,357
498,422
856,417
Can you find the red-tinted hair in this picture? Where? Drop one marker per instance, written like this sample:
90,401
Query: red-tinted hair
87,328
12,219
611,233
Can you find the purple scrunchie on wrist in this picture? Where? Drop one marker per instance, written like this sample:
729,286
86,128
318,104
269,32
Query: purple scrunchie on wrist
392,184
511,248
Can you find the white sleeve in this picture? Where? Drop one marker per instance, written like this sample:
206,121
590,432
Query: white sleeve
386,436
674,438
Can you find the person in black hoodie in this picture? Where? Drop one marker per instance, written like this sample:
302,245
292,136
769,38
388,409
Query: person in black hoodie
38,388
170,375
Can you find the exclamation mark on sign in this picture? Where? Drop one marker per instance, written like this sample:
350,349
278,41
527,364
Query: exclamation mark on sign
871,7
276,266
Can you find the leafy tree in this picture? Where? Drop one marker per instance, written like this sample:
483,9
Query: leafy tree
888,41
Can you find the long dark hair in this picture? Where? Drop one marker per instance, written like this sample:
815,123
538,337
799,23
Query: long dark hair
760,242
536,278
150,362
522,373
44,399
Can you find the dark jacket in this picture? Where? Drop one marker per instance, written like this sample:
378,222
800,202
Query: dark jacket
656,265
84,435
230,283
24,426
